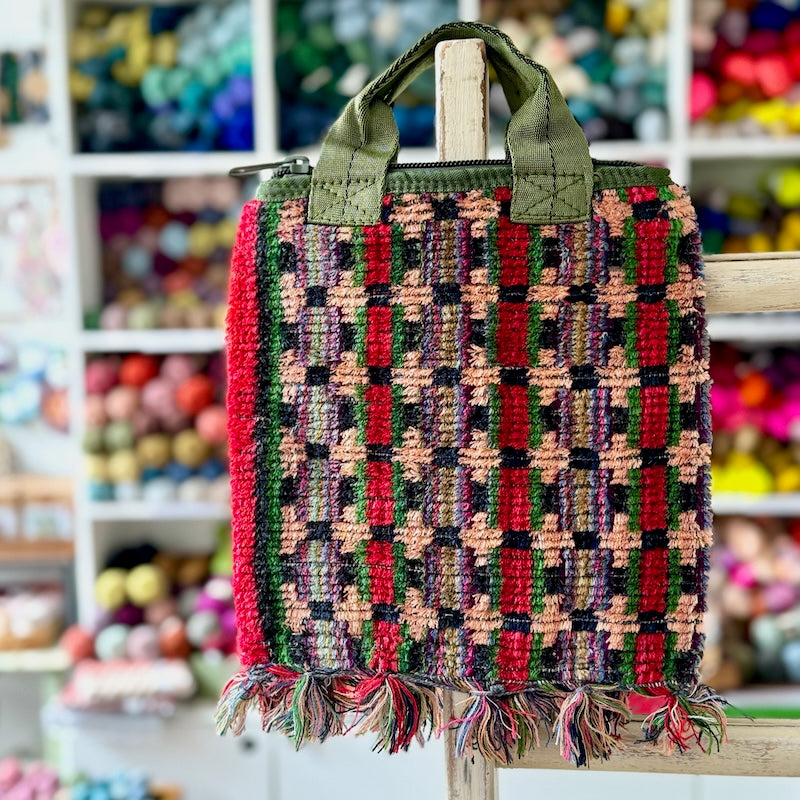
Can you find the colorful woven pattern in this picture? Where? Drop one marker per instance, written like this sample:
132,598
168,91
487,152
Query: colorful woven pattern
472,454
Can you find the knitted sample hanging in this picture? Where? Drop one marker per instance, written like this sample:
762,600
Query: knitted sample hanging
469,438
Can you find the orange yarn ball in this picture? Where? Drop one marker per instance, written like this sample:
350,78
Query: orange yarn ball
137,369
755,390
195,394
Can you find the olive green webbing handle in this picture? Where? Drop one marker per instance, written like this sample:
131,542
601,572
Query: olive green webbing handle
551,166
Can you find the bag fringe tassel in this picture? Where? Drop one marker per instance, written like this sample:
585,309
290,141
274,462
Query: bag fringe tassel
585,723
685,718
588,724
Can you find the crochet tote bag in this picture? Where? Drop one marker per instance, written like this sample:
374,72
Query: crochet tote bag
469,437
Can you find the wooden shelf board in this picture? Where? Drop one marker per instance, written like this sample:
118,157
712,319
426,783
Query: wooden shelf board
20,551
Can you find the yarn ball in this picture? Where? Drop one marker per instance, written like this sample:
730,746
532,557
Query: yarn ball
153,450
191,571
177,472
123,467
194,489
186,600
143,423
78,643
159,490
144,316
93,440
143,643
195,394
227,621
121,402
127,614
172,638
137,369
128,491
159,610
172,317
118,435
200,626
114,317
101,375
175,421
158,397
95,467
790,656
212,424
190,449
100,491
145,584
220,491
212,469
111,643
109,589
199,317
94,411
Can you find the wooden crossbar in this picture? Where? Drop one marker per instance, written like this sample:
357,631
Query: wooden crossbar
734,284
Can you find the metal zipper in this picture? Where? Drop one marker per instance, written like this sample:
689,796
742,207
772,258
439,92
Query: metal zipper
293,165
300,165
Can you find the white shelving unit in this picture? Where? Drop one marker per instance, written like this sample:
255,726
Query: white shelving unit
76,176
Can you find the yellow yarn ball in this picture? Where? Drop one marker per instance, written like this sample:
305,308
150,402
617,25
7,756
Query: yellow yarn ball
153,450
123,467
109,589
202,239
96,467
190,449
617,17
165,49
145,584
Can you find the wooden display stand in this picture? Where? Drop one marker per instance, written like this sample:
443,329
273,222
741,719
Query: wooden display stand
734,283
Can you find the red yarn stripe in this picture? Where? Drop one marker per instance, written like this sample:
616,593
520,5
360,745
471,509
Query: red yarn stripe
380,495
651,250
243,342
513,495
649,657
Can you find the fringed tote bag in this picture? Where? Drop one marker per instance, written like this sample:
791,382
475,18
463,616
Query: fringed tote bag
469,437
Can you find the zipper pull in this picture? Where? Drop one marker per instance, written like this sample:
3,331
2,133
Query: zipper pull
293,165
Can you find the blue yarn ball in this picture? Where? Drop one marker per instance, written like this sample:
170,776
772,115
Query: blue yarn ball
100,491
177,472
137,261
211,469
149,473
174,240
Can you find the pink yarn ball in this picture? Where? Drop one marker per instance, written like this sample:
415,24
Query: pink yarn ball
212,424
702,95
743,575
227,621
175,421
95,411
114,317
147,237
143,423
159,610
121,402
158,397
101,375
779,597
143,643
178,368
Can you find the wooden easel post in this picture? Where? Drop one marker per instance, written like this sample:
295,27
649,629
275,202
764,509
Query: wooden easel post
462,134
734,284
